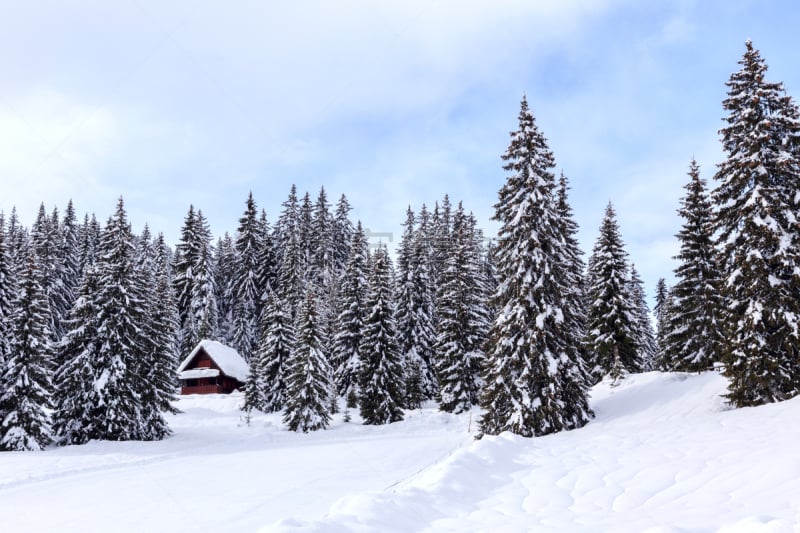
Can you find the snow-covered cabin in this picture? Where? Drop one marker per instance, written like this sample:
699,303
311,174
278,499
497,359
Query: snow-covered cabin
212,368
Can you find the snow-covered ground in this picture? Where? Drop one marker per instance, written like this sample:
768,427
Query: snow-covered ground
662,455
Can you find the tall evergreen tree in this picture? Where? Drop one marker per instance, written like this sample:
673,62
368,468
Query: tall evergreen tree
266,270
45,239
193,282
573,371
463,320
308,385
342,235
611,337
661,312
381,373
643,330
275,353
90,235
244,286
8,291
121,312
523,391
25,383
349,324
77,403
414,301
68,271
694,336
159,356
759,244
224,273
291,269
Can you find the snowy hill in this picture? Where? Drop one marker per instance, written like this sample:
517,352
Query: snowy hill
662,455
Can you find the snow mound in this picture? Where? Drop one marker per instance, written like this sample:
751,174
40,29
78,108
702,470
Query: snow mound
663,455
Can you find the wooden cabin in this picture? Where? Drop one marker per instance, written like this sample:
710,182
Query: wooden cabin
212,368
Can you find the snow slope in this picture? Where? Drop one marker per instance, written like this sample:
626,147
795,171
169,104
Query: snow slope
662,455
216,473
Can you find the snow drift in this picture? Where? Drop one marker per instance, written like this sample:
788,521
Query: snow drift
662,455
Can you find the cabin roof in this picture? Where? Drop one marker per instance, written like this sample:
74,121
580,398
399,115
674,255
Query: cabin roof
227,359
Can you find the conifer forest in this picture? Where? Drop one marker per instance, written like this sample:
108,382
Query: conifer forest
95,319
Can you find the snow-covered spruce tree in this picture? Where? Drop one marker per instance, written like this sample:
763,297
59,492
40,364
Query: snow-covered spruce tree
204,303
90,236
266,386
18,241
224,273
413,311
694,338
759,243
8,291
463,320
305,236
193,282
441,225
46,243
291,277
308,384
159,358
76,401
69,270
611,331
523,392
643,330
573,372
121,309
660,312
342,235
322,274
244,285
421,365
381,373
25,383
349,324
267,269
186,257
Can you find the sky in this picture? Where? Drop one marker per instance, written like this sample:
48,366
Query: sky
391,103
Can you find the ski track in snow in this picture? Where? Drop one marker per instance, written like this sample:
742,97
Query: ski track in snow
663,455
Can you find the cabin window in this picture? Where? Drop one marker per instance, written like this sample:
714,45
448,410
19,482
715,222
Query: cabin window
191,383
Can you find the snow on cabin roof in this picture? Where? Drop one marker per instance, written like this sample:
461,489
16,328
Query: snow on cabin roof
227,359
197,373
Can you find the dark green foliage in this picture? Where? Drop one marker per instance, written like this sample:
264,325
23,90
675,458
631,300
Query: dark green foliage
266,386
25,385
348,330
414,311
643,330
523,390
244,289
759,252
308,385
573,373
611,336
193,283
463,318
692,340
76,401
381,372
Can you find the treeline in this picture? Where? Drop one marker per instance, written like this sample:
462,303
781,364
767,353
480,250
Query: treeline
93,321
